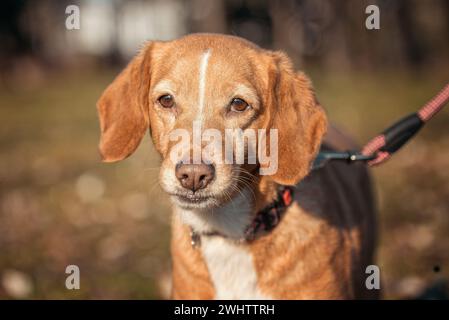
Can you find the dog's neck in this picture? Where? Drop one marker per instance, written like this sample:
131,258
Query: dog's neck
231,219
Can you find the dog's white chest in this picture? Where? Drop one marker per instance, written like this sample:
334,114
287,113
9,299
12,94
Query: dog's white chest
231,269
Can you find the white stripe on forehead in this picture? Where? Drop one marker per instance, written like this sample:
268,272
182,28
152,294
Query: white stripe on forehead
204,60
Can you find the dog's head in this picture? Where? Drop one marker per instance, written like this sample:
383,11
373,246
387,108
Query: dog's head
220,83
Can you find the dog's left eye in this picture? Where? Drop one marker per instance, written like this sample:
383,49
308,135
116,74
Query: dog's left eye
239,105
167,101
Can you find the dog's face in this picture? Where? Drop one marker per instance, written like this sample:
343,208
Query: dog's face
214,82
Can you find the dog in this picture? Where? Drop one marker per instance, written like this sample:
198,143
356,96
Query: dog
238,234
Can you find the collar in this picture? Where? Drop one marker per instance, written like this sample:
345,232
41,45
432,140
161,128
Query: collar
265,220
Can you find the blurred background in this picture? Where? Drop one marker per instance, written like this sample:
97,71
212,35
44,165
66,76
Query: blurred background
59,205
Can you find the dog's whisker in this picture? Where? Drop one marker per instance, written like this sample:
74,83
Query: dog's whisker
228,199
246,182
248,186
243,170
241,193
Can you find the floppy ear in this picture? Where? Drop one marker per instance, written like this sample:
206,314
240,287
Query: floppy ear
123,109
300,120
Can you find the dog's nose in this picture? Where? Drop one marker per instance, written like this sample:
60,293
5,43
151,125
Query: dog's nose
194,176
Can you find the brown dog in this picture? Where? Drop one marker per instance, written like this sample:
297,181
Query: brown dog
250,239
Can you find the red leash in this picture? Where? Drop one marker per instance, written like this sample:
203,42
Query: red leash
380,148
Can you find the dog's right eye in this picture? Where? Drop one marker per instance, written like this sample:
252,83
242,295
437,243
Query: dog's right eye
239,105
166,101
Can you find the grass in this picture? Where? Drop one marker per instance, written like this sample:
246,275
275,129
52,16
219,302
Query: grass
60,205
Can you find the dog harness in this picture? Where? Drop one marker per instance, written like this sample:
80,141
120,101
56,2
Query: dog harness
264,221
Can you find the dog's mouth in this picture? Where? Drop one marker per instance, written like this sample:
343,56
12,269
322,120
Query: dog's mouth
192,200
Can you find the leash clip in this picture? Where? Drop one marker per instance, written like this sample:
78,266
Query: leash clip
349,156
357,156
